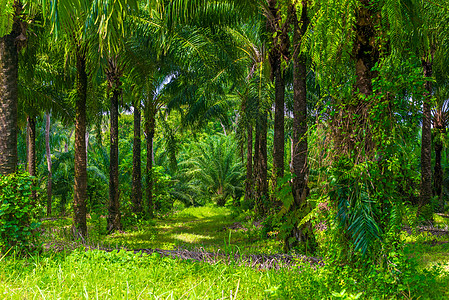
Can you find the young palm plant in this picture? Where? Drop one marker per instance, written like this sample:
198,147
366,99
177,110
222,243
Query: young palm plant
216,167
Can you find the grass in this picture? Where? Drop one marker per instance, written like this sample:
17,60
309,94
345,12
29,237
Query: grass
429,250
124,275
199,227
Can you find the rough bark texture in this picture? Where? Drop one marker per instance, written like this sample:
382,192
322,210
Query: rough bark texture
136,195
249,183
438,172
275,55
114,220
9,66
262,165
300,189
426,147
80,187
149,132
48,155
31,149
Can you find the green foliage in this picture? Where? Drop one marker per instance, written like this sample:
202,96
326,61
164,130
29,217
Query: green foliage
357,210
17,210
6,16
215,168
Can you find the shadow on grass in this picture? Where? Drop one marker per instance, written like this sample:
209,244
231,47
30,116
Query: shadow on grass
194,231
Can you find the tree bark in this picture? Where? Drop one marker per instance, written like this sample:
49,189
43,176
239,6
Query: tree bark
262,165
277,75
249,183
80,187
438,170
137,171
31,150
426,146
114,220
149,132
300,168
9,66
48,154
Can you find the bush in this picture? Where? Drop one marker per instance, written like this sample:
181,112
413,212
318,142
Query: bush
16,212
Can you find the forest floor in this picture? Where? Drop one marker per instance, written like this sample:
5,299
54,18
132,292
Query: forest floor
240,264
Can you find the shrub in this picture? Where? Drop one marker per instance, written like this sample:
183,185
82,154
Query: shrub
16,211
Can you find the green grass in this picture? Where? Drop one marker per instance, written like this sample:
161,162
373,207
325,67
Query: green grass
125,275
199,227
110,275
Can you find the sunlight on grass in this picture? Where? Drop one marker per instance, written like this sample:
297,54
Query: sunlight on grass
203,212
197,227
191,238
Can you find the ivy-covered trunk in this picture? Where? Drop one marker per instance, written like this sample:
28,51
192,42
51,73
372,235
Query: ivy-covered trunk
9,66
136,193
80,187
113,76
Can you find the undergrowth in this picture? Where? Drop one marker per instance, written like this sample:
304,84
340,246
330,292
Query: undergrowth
420,269
124,275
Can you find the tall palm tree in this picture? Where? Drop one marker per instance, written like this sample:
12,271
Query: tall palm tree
300,168
279,52
440,122
81,22
113,74
427,39
9,66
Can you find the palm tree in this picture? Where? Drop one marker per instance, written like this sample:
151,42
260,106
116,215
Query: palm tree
279,51
427,39
300,169
440,122
9,66
215,165
113,74
78,20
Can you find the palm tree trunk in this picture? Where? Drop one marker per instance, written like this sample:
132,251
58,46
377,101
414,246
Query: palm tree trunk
366,56
300,168
114,220
31,149
426,145
80,188
149,132
438,171
278,140
262,164
273,25
249,165
137,171
48,154
9,66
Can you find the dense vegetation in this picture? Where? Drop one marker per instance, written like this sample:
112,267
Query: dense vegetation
228,130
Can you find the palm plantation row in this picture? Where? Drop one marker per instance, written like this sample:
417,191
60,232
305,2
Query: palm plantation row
358,77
